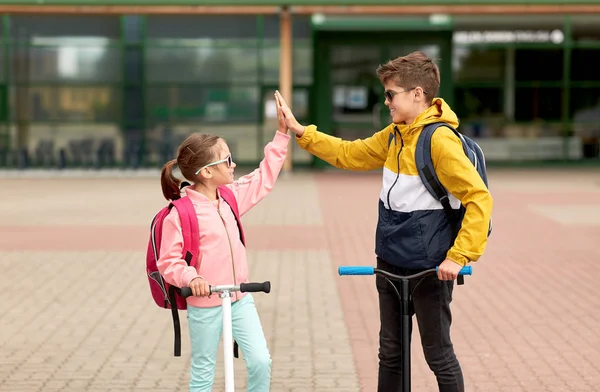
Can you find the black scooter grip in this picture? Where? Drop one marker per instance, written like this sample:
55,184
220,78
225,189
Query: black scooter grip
186,292
255,287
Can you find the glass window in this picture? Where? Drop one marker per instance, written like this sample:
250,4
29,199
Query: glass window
356,92
32,26
199,103
539,64
585,64
300,27
215,27
96,104
431,50
133,107
203,63
346,70
89,60
583,102
133,28
585,109
4,111
507,22
534,103
202,48
585,28
48,48
302,61
134,65
2,68
471,64
479,102
270,62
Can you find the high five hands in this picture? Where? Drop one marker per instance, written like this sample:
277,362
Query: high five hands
286,117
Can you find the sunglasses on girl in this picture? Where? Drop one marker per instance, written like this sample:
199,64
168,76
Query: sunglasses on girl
226,159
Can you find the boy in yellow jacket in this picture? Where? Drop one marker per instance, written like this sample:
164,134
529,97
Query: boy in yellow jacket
413,232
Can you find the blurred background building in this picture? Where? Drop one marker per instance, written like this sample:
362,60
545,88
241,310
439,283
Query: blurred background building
121,83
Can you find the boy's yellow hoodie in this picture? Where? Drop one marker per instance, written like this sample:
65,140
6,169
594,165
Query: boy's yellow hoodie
412,230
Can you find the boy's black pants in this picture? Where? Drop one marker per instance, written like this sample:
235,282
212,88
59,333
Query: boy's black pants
431,304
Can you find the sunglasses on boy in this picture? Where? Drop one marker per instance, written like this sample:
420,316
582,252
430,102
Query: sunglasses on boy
390,94
226,159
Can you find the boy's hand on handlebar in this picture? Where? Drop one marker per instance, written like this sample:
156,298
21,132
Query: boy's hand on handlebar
200,287
448,270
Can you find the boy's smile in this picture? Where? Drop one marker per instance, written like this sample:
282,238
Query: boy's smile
395,98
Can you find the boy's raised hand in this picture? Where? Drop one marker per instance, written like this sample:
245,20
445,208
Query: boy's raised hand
288,116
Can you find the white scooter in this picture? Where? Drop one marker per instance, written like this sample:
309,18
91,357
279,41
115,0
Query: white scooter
225,292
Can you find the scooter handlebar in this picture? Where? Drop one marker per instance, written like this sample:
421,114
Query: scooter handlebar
264,287
366,270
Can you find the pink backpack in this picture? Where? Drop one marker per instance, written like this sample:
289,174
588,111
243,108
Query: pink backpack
163,293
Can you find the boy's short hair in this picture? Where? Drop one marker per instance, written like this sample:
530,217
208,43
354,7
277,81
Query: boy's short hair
410,71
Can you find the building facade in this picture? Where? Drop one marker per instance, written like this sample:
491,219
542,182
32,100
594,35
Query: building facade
110,86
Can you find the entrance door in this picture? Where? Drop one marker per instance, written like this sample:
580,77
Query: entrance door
349,100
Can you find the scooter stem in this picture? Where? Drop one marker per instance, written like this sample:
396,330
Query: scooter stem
406,376
227,341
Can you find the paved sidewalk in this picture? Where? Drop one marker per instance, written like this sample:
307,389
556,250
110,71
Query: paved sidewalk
73,251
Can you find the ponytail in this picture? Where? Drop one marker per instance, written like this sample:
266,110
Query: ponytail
168,182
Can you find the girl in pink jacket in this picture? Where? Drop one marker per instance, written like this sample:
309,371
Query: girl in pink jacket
206,162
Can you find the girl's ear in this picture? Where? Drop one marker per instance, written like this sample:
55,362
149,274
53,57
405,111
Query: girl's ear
205,173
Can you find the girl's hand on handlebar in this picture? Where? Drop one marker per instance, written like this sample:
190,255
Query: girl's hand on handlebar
448,270
200,287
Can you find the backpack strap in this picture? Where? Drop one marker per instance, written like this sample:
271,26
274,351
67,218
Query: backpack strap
191,245
229,197
427,172
189,229
176,322
429,177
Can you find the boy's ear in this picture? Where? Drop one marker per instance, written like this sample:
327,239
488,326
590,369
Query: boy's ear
419,92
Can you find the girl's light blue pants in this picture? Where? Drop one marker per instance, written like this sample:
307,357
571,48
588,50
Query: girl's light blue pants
206,327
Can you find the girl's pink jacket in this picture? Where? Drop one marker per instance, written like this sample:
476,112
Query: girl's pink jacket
222,256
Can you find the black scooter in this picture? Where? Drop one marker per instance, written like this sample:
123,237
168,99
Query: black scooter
405,300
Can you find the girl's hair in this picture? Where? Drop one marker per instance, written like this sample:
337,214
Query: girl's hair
195,151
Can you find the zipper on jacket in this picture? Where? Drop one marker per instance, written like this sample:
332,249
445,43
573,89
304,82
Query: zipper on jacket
389,211
230,246
398,162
